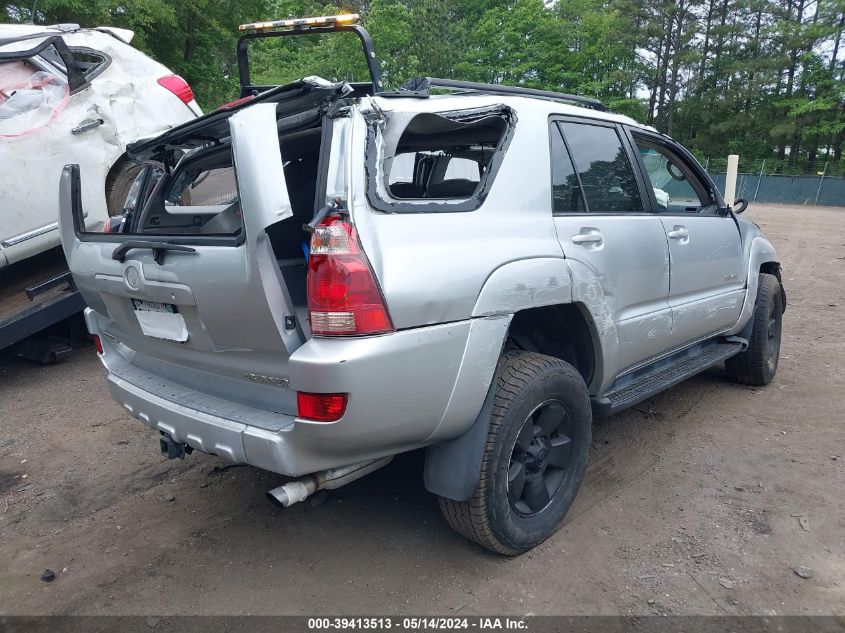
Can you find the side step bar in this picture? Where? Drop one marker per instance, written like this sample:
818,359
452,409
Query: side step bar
636,387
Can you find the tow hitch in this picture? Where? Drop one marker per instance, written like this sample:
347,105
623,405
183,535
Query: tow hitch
172,449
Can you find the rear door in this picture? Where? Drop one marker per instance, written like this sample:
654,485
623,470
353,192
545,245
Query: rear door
206,310
604,225
707,281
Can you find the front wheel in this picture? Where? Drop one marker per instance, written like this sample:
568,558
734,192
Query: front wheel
534,458
758,364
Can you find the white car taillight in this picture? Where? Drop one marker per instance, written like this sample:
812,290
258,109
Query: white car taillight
344,298
178,86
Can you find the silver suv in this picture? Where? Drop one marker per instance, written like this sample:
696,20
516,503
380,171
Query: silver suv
318,278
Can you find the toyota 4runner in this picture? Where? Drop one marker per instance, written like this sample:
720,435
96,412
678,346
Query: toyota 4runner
324,275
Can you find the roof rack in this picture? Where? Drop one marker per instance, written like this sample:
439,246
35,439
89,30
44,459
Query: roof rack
421,87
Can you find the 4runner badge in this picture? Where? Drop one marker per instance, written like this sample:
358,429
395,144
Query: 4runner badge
273,381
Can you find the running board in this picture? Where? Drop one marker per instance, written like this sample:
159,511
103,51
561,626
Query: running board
629,391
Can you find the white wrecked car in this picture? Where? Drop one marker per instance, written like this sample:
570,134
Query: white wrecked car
74,95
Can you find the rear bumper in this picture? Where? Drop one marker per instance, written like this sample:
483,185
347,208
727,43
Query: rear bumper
406,390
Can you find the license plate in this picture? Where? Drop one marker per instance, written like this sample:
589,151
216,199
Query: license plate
160,320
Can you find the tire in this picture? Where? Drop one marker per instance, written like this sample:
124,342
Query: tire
120,179
533,394
758,364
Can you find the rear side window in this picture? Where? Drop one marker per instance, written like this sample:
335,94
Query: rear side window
566,187
604,172
436,162
88,61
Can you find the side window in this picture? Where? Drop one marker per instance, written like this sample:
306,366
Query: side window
607,179
676,188
566,190
29,97
437,162
88,61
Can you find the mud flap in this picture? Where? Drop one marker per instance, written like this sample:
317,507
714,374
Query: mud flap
452,468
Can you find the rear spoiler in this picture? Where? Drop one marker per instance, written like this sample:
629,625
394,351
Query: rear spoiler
347,23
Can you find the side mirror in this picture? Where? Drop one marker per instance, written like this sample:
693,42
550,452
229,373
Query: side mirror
740,205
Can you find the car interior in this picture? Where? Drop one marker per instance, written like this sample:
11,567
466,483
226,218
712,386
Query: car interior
441,158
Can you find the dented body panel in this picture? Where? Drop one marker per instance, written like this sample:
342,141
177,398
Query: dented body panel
120,104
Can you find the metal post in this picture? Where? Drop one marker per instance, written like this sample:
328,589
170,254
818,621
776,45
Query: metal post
707,165
821,180
730,179
762,167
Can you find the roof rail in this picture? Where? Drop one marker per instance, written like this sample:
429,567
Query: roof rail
421,87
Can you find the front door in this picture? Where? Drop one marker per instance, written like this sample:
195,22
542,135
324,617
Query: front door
607,235
707,282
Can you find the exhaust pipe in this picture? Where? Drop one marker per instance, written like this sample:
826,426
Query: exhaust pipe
302,488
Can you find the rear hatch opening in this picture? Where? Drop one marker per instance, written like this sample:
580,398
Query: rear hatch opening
203,278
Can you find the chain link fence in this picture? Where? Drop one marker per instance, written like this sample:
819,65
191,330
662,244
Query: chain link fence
781,181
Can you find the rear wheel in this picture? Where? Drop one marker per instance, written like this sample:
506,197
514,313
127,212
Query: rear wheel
758,364
119,181
534,458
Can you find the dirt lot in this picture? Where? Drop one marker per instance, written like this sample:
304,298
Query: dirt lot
701,500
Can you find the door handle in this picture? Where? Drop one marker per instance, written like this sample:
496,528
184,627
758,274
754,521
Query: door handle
86,125
588,238
678,233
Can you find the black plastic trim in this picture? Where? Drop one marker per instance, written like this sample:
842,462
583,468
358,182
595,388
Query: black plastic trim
452,467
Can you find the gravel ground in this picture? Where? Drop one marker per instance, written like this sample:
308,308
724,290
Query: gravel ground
702,500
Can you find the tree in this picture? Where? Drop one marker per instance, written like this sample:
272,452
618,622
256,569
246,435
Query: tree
764,78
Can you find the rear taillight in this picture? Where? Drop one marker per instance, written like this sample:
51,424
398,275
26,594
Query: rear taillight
178,86
97,343
320,407
343,296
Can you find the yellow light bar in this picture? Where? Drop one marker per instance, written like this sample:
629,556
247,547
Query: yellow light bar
302,23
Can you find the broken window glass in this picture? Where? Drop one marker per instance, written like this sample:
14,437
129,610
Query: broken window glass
438,162
29,98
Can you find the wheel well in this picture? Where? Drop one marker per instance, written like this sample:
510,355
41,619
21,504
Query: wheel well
772,268
560,331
